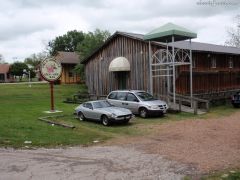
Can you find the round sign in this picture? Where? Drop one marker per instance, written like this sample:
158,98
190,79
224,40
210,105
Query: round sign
50,69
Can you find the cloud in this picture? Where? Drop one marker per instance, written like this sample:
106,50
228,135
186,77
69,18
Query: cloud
27,25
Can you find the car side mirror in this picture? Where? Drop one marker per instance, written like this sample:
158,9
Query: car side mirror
136,100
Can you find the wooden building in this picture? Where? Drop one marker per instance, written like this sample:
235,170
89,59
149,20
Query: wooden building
68,61
215,68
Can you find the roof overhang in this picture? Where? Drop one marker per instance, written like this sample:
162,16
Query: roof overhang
167,31
119,64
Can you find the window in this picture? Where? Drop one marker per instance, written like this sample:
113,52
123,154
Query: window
145,96
88,105
230,62
213,62
113,95
101,104
70,74
132,97
2,77
121,95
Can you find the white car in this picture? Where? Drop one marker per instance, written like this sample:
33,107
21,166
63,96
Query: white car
139,102
103,111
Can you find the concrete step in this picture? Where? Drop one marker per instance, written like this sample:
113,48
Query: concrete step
184,108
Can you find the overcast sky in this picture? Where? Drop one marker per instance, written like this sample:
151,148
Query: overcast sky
26,26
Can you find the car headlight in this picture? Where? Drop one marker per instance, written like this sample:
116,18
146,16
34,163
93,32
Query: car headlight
113,115
153,107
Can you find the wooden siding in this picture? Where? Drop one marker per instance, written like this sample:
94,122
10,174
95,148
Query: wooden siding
65,78
98,78
207,79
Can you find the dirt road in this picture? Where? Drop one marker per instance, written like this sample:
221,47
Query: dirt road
172,151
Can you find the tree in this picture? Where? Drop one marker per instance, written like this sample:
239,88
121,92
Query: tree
67,42
91,42
1,59
77,41
35,59
234,34
17,69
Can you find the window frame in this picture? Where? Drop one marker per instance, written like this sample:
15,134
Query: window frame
136,99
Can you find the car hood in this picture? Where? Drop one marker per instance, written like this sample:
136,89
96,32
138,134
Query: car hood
155,102
116,110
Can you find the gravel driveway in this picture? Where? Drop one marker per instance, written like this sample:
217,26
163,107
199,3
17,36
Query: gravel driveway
87,163
172,151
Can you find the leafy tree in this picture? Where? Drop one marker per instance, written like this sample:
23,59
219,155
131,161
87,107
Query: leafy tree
77,41
67,42
35,59
1,59
234,34
32,73
79,69
17,69
92,41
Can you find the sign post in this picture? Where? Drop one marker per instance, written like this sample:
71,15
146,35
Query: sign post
51,71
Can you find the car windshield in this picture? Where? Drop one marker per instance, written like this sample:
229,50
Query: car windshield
145,96
101,104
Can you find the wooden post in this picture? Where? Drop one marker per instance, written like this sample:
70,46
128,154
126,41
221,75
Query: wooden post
207,106
52,97
180,105
195,107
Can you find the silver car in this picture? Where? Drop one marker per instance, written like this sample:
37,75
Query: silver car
103,111
139,102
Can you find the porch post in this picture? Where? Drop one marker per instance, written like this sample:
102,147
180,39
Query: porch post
150,68
191,77
174,78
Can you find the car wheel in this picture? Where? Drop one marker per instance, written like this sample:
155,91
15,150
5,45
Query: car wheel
236,105
126,121
143,112
105,120
81,116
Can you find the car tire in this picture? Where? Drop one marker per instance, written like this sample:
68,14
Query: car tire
81,116
236,105
126,121
105,120
143,112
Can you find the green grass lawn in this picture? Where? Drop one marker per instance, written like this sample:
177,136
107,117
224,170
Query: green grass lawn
20,107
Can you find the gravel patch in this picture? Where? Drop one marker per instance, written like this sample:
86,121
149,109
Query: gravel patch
88,163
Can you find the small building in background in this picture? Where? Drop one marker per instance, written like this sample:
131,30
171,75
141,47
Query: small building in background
5,73
68,61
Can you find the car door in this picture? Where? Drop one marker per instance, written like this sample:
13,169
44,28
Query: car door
121,99
117,98
88,111
132,103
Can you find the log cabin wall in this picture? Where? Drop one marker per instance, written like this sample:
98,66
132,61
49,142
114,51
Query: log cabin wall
68,76
208,79
100,81
98,78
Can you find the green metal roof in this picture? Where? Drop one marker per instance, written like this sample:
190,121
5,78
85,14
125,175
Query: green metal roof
165,33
